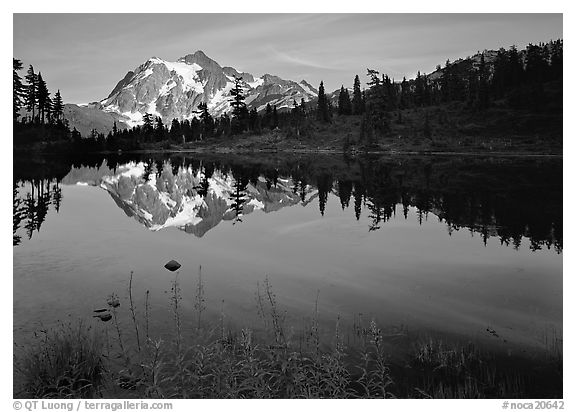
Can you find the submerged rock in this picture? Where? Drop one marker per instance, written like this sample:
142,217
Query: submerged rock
172,265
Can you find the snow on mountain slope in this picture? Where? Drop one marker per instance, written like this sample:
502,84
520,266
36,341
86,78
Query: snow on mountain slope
308,88
175,89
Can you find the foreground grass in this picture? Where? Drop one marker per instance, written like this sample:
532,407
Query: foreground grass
77,361
65,362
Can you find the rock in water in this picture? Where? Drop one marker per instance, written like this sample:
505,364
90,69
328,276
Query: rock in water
104,317
172,265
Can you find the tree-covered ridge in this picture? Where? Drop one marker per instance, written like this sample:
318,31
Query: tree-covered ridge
510,78
504,80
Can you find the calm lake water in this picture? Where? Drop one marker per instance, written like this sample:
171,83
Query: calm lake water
467,247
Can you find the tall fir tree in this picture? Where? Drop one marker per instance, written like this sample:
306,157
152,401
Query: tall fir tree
404,94
159,130
322,112
535,63
482,84
267,118
253,120
556,59
419,90
49,107
148,126
206,121
274,117
239,110
357,101
377,106
516,68
18,89
500,76
31,97
58,107
344,104
303,107
43,98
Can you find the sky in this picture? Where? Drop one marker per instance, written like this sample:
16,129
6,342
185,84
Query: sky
85,55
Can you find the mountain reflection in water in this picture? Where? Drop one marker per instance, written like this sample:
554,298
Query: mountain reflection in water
506,198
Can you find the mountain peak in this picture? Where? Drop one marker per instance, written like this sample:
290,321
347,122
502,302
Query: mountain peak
308,87
200,58
270,78
175,89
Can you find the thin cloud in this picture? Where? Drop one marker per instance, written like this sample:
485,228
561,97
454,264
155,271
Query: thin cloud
299,61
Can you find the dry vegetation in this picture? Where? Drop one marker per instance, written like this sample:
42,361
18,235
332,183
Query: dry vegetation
114,360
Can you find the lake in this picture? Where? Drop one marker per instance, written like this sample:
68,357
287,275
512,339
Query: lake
465,247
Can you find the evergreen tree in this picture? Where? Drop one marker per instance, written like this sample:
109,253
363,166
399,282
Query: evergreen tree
296,118
238,196
324,185
404,94
427,90
159,130
358,198
344,192
17,88
267,119
274,118
446,83
148,126
357,101
344,103
516,68
500,76
303,107
31,91
472,86
239,110
556,59
254,120
322,111
535,63
390,92
206,121
482,83
58,107
49,107
419,90
43,98
175,131
377,106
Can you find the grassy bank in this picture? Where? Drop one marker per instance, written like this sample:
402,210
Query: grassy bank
437,129
114,358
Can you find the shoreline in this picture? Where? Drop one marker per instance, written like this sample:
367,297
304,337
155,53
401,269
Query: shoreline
327,151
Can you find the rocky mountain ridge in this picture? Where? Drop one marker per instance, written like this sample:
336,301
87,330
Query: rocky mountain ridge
175,89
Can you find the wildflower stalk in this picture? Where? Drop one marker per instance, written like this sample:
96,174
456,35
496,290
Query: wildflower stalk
133,311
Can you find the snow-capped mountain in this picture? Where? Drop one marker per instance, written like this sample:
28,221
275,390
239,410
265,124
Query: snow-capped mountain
175,89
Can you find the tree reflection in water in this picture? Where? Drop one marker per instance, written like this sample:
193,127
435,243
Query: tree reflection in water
506,198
